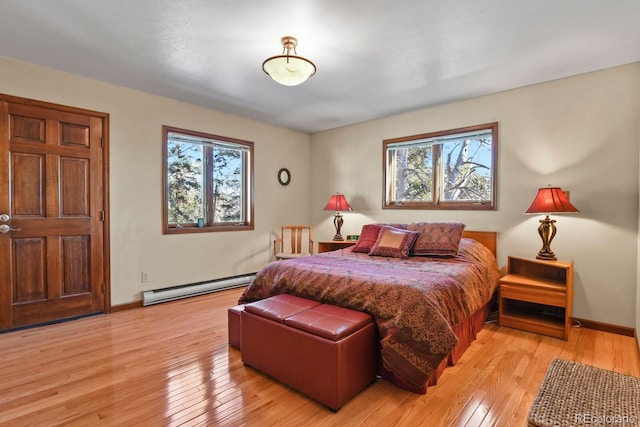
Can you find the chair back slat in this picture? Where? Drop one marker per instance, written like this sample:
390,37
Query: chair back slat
294,240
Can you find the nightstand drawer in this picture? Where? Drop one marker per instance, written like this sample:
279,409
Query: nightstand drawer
532,294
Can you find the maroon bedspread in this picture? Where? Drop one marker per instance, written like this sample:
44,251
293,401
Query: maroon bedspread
414,301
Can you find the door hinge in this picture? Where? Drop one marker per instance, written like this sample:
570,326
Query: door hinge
102,215
104,288
102,142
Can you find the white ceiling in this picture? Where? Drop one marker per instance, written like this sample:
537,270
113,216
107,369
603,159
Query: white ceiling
375,58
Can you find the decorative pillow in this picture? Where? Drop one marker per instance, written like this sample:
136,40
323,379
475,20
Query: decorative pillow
398,225
394,242
437,238
368,237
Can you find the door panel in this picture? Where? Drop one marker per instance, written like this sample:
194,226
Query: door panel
52,181
75,267
27,185
74,185
74,135
27,129
29,282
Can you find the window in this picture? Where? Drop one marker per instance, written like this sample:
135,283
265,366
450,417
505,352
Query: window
207,182
452,169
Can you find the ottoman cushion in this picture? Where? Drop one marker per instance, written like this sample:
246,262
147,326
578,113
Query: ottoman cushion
329,321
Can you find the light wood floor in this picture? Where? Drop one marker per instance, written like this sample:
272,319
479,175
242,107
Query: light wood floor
170,364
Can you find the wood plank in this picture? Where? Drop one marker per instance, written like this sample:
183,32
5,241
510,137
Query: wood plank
170,364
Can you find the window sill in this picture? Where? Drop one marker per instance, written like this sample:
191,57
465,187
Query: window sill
213,229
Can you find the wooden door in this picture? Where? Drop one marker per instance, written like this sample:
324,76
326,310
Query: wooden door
52,213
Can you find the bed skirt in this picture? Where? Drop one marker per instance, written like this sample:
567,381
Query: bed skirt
466,332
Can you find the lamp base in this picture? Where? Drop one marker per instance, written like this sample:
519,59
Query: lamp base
547,231
546,256
337,222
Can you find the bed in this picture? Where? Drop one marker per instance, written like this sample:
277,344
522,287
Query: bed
428,308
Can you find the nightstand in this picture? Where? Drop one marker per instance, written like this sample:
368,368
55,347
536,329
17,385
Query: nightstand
334,245
537,296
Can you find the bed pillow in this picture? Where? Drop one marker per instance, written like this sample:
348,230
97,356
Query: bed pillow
437,238
393,242
368,237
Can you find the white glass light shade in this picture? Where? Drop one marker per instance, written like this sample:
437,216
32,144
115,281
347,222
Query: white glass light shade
289,70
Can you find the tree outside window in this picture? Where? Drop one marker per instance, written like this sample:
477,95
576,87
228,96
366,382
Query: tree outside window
453,169
208,182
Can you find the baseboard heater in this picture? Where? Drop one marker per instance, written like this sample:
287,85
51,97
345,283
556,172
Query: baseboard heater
184,291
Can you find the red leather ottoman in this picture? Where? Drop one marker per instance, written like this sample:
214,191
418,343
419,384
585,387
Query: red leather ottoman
233,326
282,304
326,352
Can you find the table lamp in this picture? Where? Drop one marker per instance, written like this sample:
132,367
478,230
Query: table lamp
337,203
549,200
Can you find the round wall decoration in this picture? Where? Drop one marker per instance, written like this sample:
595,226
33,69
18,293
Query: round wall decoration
284,176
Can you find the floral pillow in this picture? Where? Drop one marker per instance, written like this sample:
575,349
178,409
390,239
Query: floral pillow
437,238
368,237
394,242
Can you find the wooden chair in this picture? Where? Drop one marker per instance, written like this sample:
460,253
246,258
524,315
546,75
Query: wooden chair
295,241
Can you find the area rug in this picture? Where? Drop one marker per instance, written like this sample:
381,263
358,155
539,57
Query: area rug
573,394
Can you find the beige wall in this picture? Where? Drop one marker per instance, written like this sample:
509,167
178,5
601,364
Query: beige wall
137,243
579,133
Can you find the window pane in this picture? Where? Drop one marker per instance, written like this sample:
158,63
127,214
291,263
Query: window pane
414,173
467,170
184,182
227,185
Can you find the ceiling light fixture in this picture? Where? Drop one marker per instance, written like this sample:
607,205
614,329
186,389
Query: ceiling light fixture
287,69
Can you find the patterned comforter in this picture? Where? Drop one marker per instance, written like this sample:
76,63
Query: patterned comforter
414,301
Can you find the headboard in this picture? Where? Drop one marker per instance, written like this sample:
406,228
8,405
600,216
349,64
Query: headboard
487,238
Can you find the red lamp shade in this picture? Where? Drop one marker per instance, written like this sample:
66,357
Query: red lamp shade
551,200
337,203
